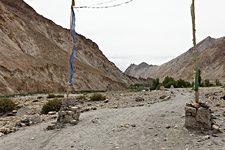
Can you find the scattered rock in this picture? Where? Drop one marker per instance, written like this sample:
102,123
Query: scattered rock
204,138
35,101
140,105
175,127
162,97
139,99
52,113
223,97
14,111
214,135
106,101
216,128
39,97
1,134
93,108
133,125
168,127
26,121
74,122
11,114
95,121
51,127
4,130
23,123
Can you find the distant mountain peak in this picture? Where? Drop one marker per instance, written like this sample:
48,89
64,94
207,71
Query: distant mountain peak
210,55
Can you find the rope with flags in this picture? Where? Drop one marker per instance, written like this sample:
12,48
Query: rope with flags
73,34
107,6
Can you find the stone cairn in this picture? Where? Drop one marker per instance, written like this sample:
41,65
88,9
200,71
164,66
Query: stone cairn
68,114
198,116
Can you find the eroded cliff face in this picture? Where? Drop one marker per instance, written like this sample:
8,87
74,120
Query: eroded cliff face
211,61
33,55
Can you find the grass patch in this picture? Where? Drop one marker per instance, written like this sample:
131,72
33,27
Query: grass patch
7,105
55,96
52,105
97,97
139,87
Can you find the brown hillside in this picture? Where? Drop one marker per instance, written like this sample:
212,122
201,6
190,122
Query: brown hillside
33,55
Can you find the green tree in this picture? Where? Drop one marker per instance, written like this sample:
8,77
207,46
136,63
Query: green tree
207,83
168,82
218,82
156,84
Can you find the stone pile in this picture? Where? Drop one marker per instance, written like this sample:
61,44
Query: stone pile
67,115
198,117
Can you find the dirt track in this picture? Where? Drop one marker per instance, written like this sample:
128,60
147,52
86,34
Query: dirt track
157,126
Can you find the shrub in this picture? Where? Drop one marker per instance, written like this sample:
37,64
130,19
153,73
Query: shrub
182,84
138,87
155,85
97,97
7,105
52,105
207,83
218,82
55,96
168,81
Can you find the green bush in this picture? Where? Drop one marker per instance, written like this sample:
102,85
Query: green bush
52,105
207,83
168,82
7,105
55,96
97,97
218,82
182,84
139,87
156,84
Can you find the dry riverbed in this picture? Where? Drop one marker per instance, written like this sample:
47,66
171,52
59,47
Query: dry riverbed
126,120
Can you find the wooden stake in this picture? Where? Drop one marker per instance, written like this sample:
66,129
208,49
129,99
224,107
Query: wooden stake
195,65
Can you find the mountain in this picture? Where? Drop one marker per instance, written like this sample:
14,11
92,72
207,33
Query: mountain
143,70
211,61
33,56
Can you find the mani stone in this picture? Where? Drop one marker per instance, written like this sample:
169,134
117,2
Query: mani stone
198,118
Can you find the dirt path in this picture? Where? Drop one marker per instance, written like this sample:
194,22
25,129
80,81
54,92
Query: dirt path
159,126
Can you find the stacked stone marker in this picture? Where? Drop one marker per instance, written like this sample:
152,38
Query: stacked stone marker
198,117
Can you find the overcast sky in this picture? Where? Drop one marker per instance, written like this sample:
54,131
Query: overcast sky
152,31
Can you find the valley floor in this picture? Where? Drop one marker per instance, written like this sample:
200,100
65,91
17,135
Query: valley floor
157,125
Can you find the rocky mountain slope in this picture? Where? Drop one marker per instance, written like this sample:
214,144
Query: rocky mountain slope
33,55
211,61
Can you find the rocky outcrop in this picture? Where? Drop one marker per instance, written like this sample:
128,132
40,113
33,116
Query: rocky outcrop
33,55
143,70
211,61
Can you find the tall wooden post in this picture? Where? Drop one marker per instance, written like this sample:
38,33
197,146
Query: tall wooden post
195,63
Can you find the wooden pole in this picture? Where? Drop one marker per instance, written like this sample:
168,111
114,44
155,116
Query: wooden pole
68,86
195,64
